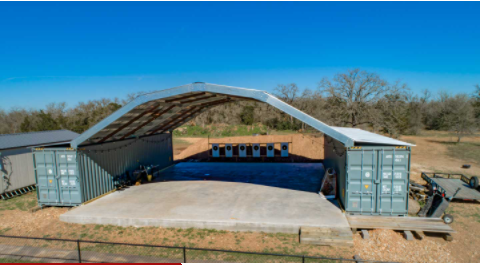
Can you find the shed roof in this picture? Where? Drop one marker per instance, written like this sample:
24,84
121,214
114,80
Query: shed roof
163,111
18,140
362,136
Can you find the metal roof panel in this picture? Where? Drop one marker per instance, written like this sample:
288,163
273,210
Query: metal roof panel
362,136
9,141
121,123
165,110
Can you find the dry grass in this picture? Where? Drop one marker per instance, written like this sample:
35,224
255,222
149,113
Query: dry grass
22,203
467,151
46,224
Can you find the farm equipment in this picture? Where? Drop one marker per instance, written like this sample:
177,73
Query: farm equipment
442,189
144,174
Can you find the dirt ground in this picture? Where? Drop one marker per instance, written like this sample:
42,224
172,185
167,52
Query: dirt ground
301,145
180,144
17,220
434,152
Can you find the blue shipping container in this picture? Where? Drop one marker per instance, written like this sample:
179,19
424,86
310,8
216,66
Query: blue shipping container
70,177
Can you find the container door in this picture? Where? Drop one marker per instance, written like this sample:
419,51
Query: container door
68,177
392,190
46,172
361,181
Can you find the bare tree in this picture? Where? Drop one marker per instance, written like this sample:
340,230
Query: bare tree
353,95
475,96
288,93
426,97
10,122
310,102
392,118
459,116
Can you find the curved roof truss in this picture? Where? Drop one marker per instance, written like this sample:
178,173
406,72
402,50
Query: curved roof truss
162,111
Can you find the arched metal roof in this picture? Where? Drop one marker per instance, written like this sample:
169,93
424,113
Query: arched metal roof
164,110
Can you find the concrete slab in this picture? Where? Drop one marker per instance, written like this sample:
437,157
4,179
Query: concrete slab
276,198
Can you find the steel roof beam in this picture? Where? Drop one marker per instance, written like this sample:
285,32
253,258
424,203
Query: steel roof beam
162,115
185,97
118,127
165,117
197,99
181,120
153,117
243,98
128,116
162,126
160,120
147,127
201,108
193,116
187,112
128,123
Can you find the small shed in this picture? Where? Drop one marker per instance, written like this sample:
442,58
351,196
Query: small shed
16,162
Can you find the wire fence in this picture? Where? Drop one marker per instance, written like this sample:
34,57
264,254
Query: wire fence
32,249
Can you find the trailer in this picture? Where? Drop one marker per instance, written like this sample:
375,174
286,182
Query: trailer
454,186
445,187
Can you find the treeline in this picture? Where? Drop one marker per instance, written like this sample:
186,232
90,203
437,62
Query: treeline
57,116
360,99
355,98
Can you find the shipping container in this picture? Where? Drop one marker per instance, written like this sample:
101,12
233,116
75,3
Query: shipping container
69,177
372,179
16,167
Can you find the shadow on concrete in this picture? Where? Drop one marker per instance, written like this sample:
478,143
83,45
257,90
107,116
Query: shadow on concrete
294,176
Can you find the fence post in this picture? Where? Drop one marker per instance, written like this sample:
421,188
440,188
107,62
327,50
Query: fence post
78,249
185,259
303,259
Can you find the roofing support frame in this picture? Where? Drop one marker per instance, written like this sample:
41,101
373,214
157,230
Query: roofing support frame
154,116
234,92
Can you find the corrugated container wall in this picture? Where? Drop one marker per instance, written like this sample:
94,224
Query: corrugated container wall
67,177
372,180
16,169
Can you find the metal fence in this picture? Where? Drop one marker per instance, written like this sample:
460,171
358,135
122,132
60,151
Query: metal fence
32,249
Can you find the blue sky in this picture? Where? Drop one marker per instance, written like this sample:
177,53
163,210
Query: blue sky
77,51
